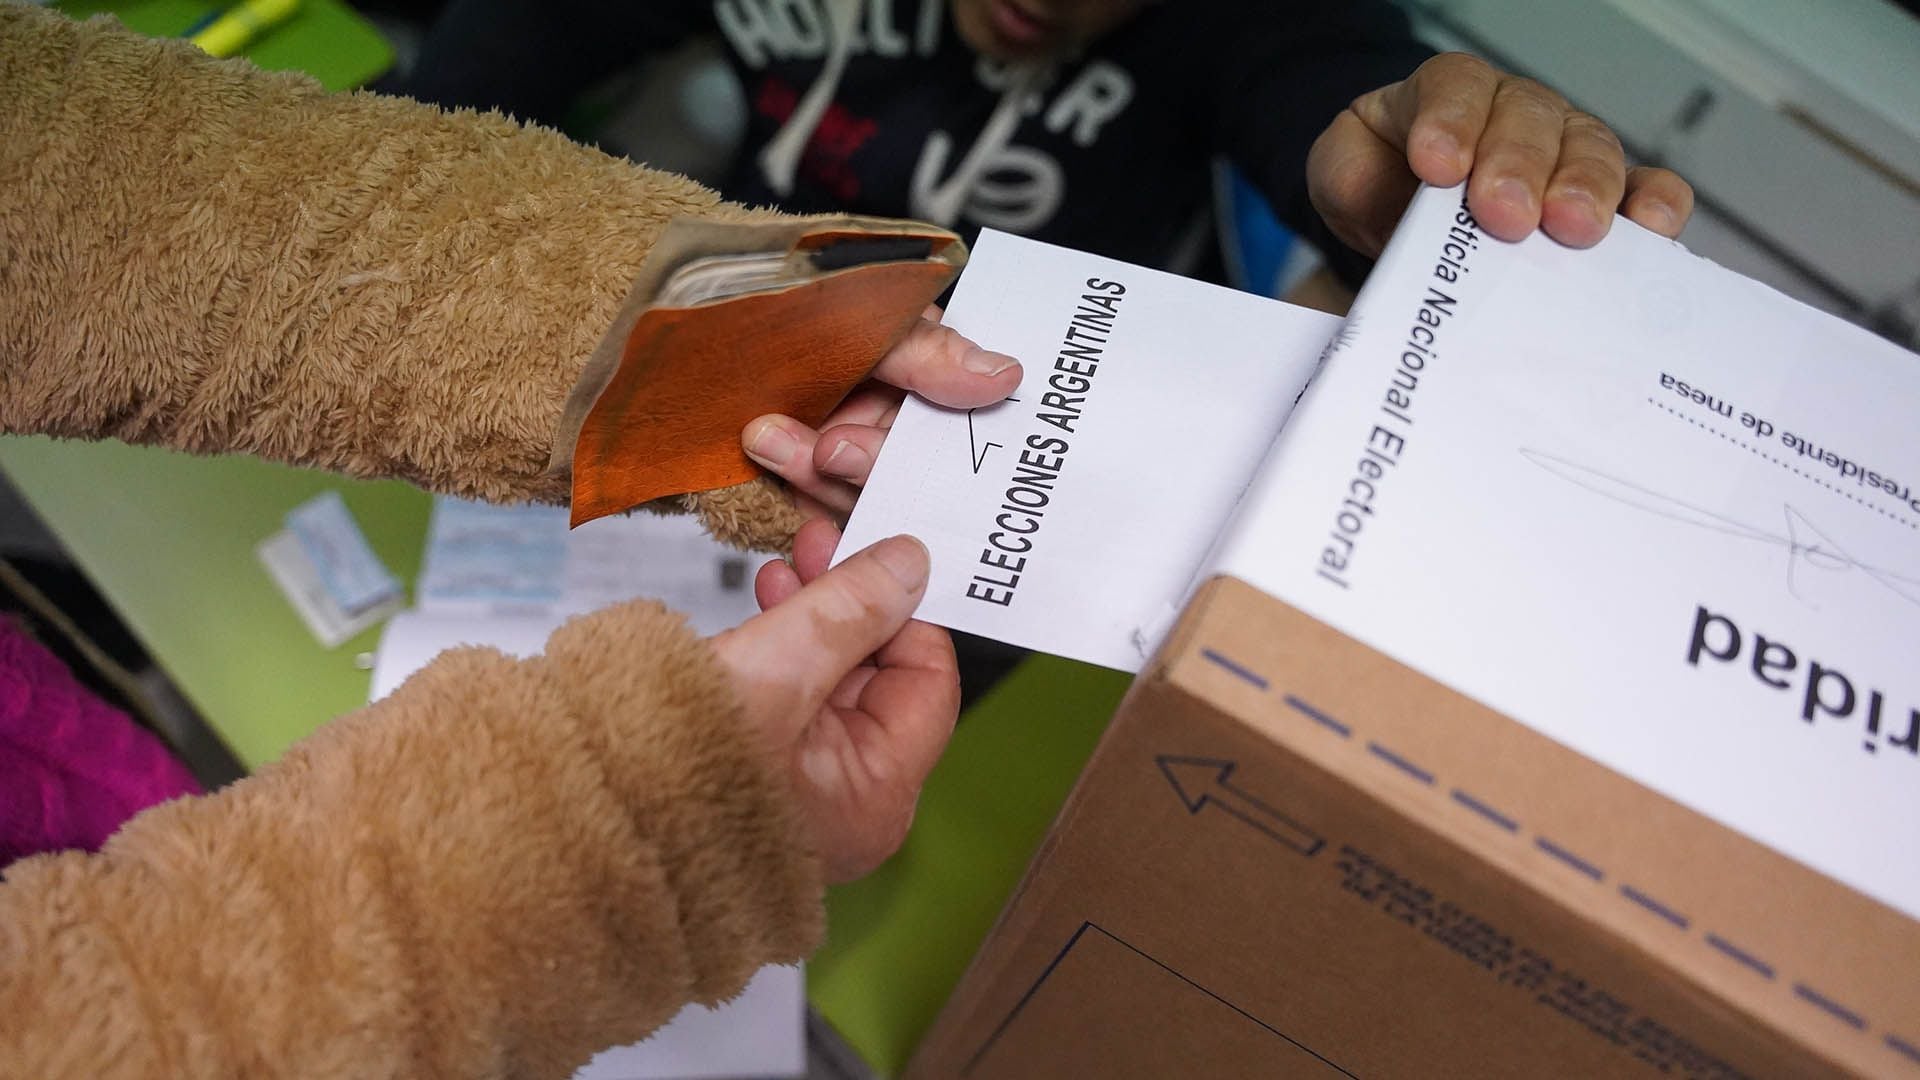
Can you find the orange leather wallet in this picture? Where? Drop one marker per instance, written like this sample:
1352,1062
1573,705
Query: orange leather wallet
730,321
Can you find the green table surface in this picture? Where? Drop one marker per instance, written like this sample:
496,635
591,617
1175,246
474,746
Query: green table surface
169,539
324,38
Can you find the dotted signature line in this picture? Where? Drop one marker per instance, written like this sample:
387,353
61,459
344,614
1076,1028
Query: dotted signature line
1789,466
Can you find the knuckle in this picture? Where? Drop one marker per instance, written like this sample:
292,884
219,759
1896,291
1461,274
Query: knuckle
1344,177
925,343
1531,99
843,602
903,825
1457,65
885,841
1347,185
1451,115
1526,156
1664,184
949,339
951,694
884,819
945,348
1452,79
867,591
1371,109
924,339
1595,171
1592,129
1598,184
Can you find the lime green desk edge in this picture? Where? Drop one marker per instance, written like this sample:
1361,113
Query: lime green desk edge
324,38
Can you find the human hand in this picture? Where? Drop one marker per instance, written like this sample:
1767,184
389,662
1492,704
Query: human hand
828,467
855,699
1530,160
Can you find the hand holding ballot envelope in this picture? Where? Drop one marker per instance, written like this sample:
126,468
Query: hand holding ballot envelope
828,466
863,709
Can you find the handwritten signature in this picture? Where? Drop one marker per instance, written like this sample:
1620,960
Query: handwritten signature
1808,547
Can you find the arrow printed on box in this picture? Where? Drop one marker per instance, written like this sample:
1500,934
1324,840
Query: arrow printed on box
1203,782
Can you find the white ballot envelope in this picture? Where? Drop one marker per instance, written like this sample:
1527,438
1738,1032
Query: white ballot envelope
1072,517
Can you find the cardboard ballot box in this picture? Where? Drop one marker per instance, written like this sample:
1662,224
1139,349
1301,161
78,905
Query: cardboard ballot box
1550,705
1292,856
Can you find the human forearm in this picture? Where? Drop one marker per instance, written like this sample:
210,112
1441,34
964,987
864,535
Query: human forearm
201,255
502,868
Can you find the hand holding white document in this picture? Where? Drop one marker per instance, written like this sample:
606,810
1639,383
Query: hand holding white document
1071,518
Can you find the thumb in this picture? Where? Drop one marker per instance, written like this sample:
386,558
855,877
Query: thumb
814,638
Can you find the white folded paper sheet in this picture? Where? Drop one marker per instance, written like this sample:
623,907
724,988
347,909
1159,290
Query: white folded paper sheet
1072,517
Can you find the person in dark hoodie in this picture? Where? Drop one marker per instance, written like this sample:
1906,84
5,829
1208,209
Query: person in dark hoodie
1087,123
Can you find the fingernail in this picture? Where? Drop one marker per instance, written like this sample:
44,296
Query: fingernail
905,558
771,444
1576,195
1584,199
1660,218
1514,193
1444,146
986,362
847,459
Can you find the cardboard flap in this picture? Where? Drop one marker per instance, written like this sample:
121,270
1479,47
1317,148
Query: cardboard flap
1778,941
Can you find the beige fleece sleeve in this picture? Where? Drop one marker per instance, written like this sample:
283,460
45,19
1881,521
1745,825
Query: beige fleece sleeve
501,869
198,254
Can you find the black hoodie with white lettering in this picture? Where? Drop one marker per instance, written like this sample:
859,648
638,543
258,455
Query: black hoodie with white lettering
878,106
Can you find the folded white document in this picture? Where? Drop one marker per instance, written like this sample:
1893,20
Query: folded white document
1072,517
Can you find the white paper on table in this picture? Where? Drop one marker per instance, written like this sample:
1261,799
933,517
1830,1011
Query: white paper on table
760,1033
507,577
354,576
287,562
414,638
1186,392
523,560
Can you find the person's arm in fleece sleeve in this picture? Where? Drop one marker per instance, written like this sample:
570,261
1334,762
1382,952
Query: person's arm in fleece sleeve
508,865
201,255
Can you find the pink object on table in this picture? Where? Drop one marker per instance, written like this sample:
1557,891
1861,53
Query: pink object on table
72,767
